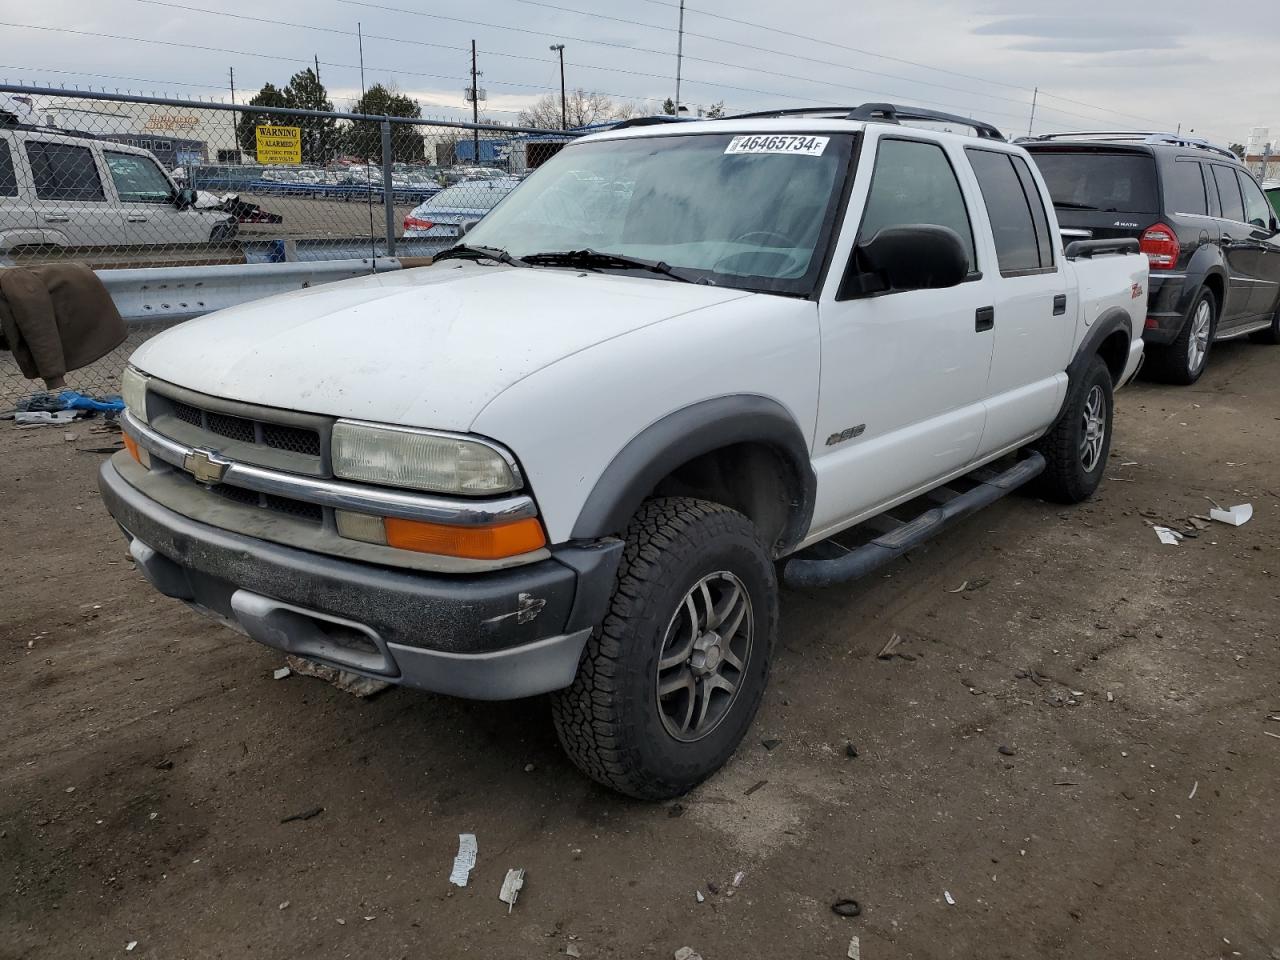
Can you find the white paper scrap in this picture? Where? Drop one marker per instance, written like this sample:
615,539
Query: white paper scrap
511,887
1237,516
855,949
465,860
1168,536
950,899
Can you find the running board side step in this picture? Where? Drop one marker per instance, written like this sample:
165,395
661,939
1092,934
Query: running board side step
800,572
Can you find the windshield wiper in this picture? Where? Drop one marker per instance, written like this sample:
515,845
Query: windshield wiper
486,253
597,260
1072,205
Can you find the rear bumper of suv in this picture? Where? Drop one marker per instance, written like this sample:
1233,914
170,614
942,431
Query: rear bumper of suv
1166,307
491,636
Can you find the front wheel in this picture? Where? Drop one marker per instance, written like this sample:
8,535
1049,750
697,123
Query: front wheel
1076,448
669,684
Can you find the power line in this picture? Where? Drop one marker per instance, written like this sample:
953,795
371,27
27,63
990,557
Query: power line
111,76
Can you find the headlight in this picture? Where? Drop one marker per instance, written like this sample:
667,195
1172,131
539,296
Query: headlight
440,463
133,391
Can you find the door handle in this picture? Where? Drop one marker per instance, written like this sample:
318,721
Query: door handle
57,218
1059,304
137,219
984,319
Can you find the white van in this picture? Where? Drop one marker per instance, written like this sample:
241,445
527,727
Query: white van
62,190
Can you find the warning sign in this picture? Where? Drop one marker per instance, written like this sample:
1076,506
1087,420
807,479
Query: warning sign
279,144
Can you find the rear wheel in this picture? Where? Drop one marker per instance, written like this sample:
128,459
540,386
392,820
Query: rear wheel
1076,448
670,683
1182,361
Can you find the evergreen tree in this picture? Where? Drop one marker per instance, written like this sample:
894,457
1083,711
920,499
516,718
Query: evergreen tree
319,134
269,96
363,138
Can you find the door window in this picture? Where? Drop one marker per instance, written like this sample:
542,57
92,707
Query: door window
64,172
913,182
8,181
1184,188
1229,192
138,179
1256,209
1018,244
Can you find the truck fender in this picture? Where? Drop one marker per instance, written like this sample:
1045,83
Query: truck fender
1109,323
690,432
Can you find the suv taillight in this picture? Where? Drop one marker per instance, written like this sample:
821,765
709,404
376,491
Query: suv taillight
1160,244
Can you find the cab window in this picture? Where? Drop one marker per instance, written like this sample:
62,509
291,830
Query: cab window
913,182
138,179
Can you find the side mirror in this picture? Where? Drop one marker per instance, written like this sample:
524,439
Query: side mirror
185,198
466,227
917,256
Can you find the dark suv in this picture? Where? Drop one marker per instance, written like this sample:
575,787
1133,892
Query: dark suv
1202,221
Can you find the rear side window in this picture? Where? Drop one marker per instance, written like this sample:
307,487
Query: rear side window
63,172
914,183
1044,240
1229,193
1256,209
8,181
1094,180
1184,188
1014,226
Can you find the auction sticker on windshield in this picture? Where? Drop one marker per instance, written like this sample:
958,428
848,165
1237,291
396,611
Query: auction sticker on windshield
778,143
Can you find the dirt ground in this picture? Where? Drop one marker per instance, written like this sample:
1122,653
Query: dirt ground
148,758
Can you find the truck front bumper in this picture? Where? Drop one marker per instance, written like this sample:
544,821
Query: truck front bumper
489,636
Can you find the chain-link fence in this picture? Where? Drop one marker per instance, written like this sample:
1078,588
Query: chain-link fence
120,181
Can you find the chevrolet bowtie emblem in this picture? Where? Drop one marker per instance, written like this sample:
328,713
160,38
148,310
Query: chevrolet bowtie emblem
205,465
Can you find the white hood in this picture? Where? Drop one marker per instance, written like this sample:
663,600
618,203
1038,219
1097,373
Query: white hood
428,347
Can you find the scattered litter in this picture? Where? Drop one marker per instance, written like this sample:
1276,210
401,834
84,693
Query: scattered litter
1168,536
281,673
344,680
165,764
1270,734
69,437
739,877
687,953
465,860
38,418
284,905
367,919
769,744
1066,783
529,768
152,816
572,950
950,899
886,652
128,947
1006,751
304,815
713,886
1194,787
850,750
70,790
754,787
1111,697
846,908
341,922
855,950
511,887
1237,516
698,896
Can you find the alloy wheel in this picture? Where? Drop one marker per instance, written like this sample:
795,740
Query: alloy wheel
1094,434
1198,342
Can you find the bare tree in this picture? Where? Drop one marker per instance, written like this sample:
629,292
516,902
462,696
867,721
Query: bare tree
581,108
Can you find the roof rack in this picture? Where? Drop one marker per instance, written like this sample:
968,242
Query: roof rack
1136,136
655,120
881,113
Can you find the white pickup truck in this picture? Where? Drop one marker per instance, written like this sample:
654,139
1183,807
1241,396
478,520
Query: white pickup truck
575,454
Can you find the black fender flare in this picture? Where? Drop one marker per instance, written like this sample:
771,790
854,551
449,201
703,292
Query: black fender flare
688,433
1111,321
1205,263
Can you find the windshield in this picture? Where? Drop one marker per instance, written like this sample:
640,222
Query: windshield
750,211
472,195
1093,180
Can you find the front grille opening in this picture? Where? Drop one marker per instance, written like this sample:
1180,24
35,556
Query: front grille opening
187,413
296,439
234,428
238,495
295,508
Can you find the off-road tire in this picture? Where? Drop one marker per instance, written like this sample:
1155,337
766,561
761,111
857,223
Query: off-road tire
608,721
1271,334
1065,478
1169,363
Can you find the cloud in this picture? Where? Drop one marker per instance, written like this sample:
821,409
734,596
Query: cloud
1076,34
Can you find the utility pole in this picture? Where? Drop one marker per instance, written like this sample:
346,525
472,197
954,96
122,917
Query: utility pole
564,110
475,107
235,130
1035,95
679,56
317,56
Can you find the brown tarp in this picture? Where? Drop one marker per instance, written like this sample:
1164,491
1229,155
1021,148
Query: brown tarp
57,318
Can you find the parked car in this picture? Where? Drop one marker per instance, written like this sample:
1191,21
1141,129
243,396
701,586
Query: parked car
61,190
570,455
441,217
1200,217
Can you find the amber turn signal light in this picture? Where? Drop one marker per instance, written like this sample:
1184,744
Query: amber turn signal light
142,456
476,543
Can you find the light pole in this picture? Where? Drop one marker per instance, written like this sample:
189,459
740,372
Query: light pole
564,111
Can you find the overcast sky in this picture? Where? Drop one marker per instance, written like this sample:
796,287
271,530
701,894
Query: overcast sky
1124,65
